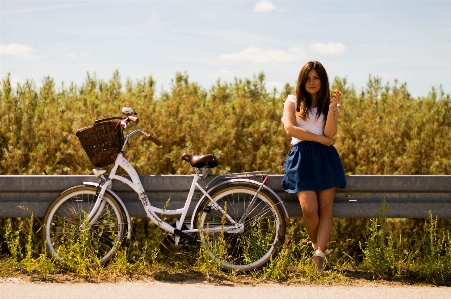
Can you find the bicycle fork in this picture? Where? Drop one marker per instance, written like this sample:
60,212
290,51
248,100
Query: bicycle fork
100,203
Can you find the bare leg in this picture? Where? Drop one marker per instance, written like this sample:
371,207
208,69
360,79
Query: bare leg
325,207
318,217
309,206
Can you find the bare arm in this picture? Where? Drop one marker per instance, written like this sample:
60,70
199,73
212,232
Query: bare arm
330,129
289,123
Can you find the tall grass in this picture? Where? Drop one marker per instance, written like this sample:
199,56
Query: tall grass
386,253
429,259
382,130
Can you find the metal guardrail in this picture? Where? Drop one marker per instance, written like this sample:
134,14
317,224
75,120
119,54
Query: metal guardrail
406,196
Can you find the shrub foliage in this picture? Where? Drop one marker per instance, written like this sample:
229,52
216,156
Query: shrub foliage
382,128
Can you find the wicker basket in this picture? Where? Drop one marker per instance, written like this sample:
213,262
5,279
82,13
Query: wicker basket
101,142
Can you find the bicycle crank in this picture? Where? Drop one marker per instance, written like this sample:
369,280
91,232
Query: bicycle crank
185,238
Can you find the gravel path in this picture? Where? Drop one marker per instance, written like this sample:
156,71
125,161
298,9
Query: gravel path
15,288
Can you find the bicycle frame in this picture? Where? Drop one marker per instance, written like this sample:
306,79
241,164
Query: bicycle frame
238,220
135,183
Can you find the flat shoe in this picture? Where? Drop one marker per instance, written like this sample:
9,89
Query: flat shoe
326,252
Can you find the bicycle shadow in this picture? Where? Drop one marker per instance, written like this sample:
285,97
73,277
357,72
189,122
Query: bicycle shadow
193,277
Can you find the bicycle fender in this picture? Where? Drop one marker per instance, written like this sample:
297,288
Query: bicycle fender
115,196
245,182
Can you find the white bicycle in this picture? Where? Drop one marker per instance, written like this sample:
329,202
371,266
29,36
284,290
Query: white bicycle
239,221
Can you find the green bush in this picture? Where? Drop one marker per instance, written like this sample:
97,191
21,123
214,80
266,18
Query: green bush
382,130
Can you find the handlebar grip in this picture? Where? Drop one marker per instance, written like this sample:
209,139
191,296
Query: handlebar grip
133,119
155,140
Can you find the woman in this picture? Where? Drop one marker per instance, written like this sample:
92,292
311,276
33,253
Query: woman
313,168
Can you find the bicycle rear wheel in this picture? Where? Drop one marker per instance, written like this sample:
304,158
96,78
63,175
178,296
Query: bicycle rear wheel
256,243
71,239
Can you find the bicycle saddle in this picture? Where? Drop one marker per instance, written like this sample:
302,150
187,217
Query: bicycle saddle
209,160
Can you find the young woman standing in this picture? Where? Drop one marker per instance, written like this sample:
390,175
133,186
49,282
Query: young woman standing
313,168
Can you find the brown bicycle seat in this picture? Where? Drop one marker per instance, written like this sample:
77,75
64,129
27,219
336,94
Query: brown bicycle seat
209,160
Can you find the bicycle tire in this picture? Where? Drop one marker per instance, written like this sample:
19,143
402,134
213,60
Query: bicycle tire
263,234
67,236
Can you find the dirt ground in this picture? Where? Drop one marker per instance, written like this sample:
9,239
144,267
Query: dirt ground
67,287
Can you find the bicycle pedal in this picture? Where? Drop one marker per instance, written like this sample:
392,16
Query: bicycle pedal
185,235
207,209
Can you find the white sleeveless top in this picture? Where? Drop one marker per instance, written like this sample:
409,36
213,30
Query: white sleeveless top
311,124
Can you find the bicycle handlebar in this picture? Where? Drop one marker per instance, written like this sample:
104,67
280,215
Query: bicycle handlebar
107,119
128,118
155,140
133,119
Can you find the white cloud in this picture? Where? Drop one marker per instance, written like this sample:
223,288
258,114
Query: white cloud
75,56
18,50
264,6
71,56
329,48
42,8
259,55
208,15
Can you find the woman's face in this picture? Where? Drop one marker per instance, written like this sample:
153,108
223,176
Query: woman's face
313,83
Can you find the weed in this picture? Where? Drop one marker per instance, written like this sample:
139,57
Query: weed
149,254
433,260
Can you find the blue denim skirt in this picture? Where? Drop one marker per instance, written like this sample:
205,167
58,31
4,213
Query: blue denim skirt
312,166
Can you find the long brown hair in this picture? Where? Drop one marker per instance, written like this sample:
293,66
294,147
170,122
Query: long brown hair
304,99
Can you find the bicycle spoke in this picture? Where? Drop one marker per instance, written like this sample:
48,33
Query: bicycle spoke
67,228
251,246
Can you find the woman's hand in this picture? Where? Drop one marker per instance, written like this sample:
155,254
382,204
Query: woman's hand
335,96
324,140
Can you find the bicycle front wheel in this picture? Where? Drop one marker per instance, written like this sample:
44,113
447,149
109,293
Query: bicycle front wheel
260,237
69,236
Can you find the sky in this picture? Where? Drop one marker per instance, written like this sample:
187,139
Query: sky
408,41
